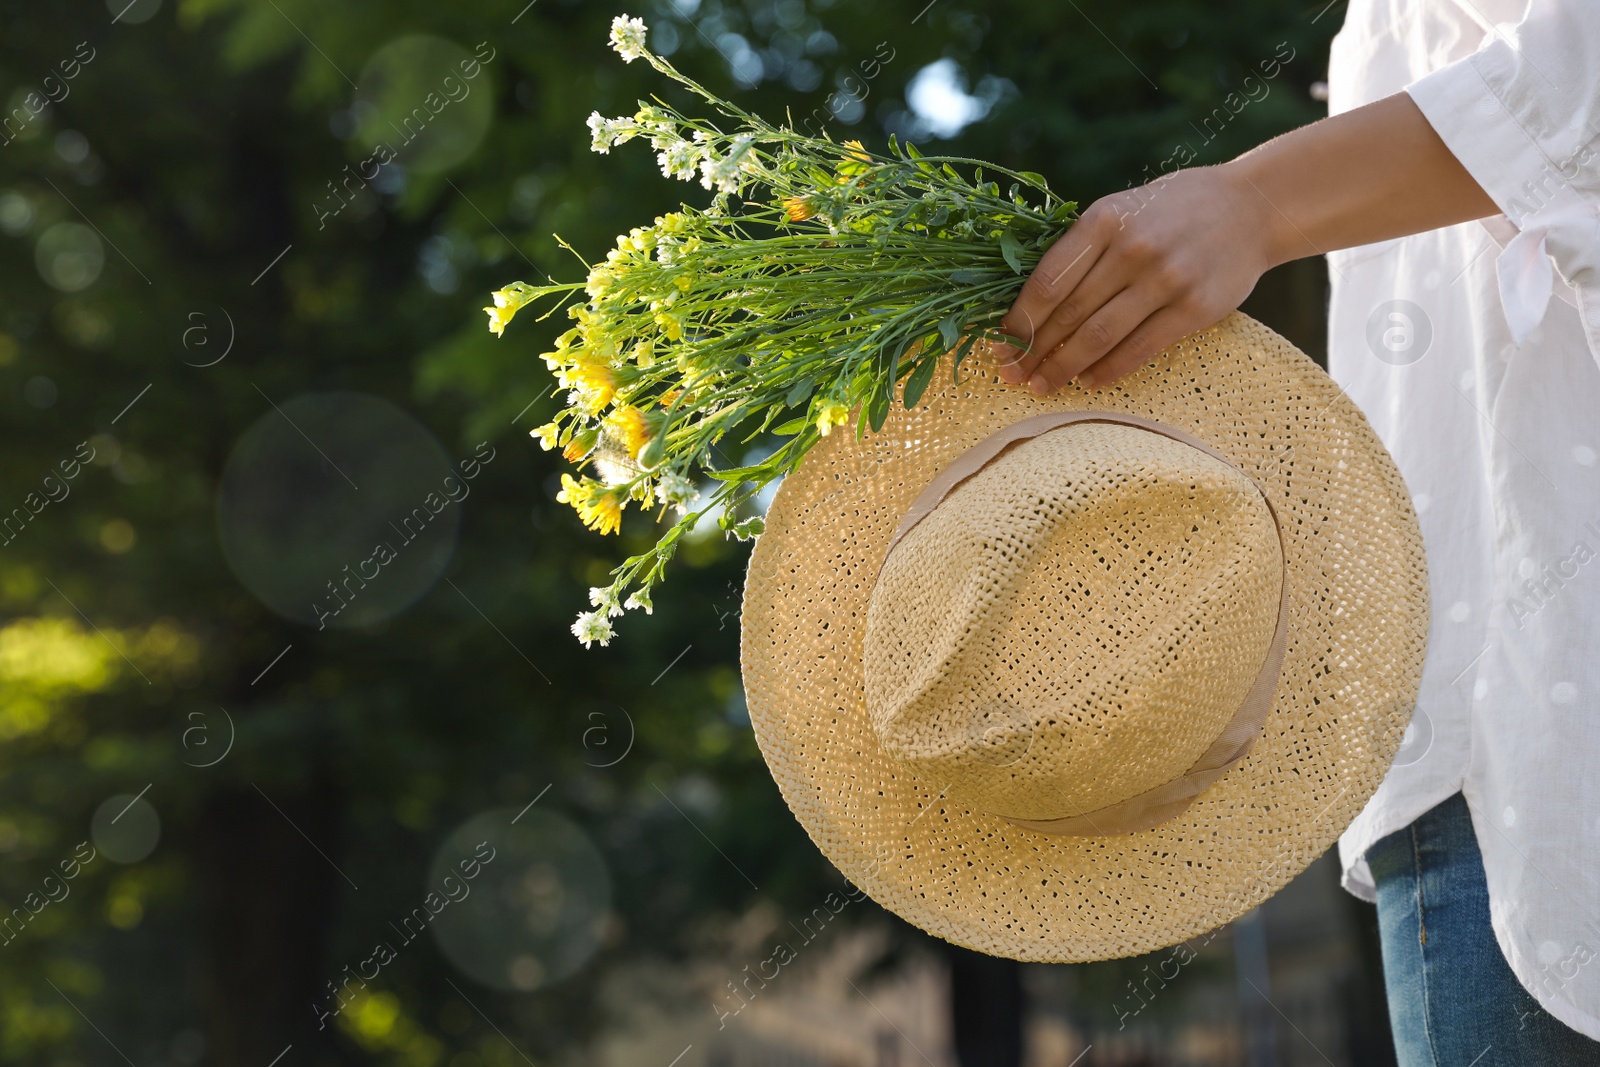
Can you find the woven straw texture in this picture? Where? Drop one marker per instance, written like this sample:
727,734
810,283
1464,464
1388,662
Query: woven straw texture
1088,625
1075,624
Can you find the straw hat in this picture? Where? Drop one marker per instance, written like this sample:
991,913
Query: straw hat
1080,676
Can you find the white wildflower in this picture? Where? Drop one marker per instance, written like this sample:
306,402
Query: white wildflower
604,597
609,132
627,37
718,174
723,174
592,626
676,491
640,599
679,159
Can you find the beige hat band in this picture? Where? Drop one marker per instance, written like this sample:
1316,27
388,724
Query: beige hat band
1157,805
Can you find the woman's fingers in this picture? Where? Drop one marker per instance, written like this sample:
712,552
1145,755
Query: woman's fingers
1063,266
1107,278
1099,335
1070,314
1167,326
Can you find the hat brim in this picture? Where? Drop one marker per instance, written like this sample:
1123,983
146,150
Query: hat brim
1358,632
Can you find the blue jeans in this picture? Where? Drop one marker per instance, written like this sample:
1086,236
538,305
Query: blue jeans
1453,1001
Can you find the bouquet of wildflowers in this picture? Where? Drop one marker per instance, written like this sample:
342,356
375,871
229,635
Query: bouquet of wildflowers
819,276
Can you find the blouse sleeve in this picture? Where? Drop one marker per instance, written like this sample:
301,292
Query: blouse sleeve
1522,114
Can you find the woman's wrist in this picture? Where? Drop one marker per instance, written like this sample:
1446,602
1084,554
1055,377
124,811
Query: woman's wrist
1371,174
1273,233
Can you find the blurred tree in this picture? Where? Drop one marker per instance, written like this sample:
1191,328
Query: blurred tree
194,236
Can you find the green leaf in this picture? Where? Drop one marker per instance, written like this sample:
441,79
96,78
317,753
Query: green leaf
798,392
1030,176
1011,248
793,426
973,277
949,329
961,354
757,472
966,346
917,384
878,406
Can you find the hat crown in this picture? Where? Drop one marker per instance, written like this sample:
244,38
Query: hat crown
1075,623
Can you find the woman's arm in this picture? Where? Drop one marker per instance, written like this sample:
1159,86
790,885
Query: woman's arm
1146,267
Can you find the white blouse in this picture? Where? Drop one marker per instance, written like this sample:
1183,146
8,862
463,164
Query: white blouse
1475,352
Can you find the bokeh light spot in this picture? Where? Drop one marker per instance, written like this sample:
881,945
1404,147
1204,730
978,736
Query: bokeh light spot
427,98
339,509
535,912
69,256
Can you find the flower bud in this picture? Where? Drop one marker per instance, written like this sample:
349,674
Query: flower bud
581,444
651,455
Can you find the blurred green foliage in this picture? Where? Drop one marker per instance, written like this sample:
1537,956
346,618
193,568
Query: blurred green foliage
201,141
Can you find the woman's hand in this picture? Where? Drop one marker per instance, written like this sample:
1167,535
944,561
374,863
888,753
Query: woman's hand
1139,270
1144,268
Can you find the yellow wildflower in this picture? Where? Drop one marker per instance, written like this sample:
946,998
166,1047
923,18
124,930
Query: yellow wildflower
598,506
628,423
546,435
605,515
600,282
670,325
855,162
594,382
574,492
498,318
506,303
798,208
831,413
